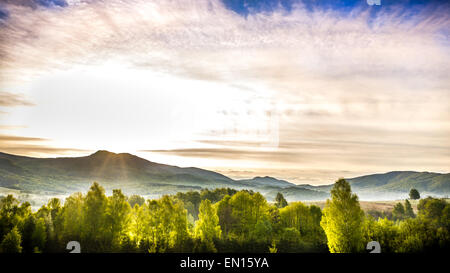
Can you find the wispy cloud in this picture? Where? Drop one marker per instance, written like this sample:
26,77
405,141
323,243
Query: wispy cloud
19,138
10,99
37,150
33,146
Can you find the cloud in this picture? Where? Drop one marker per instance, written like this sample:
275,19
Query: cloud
234,154
39,151
153,31
19,138
34,146
10,100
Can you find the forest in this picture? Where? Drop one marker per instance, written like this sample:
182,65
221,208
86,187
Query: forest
222,220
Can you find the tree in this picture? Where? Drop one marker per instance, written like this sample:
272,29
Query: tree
383,231
290,241
414,194
398,212
39,235
8,214
165,226
94,212
247,209
11,242
72,218
136,199
207,227
26,232
117,216
280,201
225,213
432,209
342,220
409,210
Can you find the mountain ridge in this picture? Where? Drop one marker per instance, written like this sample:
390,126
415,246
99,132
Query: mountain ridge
136,175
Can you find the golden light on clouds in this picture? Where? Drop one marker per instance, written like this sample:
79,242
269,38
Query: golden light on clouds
301,95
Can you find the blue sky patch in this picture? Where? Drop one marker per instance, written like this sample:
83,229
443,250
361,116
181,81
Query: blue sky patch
52,3
246,7
3,13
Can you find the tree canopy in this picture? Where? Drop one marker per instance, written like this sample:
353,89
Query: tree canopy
219,220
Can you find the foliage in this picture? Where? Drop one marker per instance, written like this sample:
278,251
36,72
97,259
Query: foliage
280,201
414,194
136,199
398,212
409,213
11,242
342,220
207,227
225,220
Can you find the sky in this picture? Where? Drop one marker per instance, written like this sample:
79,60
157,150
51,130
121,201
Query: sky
307,91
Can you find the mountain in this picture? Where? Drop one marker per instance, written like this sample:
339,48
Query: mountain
395,185
38,177
112,170
132,174
401,182
266,181
270,186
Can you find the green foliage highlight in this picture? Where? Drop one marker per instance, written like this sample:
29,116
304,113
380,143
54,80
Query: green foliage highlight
342,220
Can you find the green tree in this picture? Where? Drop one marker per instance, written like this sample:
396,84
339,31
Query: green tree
342,220
136,199
72,218
409,210
117,217
138,221
414,194
398,213
207,227
94,216
9,206
225,213
165,226
280,201
39,237
290,241
26,232
11,242
247,209
433,210
383,231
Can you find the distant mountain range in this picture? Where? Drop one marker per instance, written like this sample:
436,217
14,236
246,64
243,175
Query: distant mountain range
135,175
